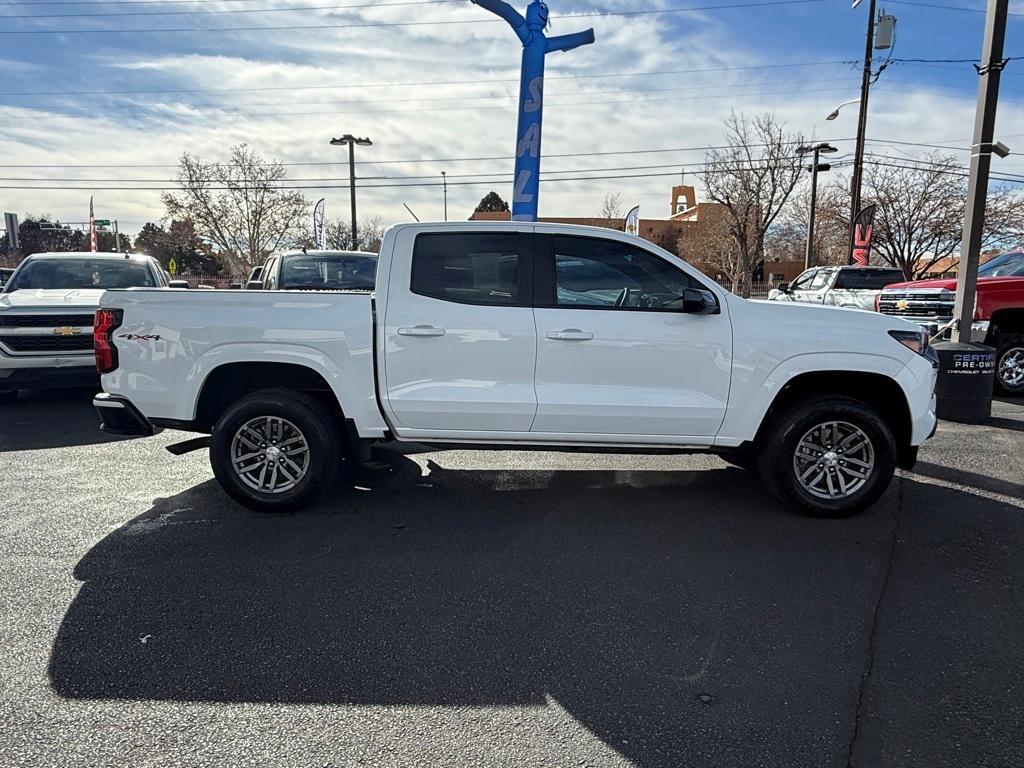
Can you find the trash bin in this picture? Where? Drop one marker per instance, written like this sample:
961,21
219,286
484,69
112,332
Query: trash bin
966,375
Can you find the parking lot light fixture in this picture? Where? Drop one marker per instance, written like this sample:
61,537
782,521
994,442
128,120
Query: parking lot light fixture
351,141
816,150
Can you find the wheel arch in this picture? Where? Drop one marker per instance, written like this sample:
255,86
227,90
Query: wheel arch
230,381
877,390
1010,320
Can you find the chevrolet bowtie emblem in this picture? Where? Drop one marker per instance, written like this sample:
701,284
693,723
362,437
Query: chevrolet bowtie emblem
65,330
902,304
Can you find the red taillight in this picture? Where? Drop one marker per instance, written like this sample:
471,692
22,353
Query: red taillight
105,322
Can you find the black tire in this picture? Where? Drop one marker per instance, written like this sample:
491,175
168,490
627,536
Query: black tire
1008,344
779,442
315,424
8,396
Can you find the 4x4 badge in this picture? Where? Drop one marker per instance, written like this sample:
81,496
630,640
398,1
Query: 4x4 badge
140,337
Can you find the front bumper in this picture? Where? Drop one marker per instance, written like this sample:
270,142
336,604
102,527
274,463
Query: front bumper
931,325
118,416
45,377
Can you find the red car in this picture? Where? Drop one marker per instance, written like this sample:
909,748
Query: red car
998,312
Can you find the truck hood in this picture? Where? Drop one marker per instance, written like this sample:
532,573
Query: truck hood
52,297
818,321
950,283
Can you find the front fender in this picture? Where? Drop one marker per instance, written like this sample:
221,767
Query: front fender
753,395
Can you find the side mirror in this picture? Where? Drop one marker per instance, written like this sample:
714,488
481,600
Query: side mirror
697,301
177,284
784,287
254,285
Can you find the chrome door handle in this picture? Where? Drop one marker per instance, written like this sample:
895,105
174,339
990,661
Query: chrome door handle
421,330
570,334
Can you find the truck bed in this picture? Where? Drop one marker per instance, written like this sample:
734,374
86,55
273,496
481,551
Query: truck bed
171,340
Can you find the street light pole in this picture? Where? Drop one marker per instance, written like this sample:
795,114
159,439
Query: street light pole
992,63
816,151
351,141
444,182
862,122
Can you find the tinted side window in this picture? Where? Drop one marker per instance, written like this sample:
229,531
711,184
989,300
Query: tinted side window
868,279
591,272
469,267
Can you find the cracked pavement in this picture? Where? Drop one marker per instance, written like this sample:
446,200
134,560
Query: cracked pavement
505,609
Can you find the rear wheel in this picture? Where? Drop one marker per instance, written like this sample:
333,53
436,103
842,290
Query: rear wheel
274,450
1010,364
827,456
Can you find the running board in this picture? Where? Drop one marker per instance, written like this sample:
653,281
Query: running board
186,446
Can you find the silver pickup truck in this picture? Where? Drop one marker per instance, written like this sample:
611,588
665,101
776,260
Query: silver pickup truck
852,287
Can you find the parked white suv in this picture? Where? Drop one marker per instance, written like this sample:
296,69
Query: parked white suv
46,314
523,335
852,287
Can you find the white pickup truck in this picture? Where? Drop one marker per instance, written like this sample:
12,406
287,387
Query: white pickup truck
522,335
46,313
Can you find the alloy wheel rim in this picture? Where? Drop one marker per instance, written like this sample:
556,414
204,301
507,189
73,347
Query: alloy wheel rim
269,454
1011,368
833,460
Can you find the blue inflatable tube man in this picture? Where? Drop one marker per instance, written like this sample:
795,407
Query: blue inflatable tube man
536,45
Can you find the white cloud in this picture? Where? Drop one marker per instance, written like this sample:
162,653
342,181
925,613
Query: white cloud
287,126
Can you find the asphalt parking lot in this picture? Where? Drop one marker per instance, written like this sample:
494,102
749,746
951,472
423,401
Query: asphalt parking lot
504,609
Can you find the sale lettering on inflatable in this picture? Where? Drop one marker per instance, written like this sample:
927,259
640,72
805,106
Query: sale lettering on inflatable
536,45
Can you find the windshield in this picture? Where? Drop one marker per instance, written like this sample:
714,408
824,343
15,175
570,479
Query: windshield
1007,265
327,272
81,273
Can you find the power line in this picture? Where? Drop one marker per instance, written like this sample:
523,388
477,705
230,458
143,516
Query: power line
495,180
140,109
487,158
477,81
205,12
944,7
385,24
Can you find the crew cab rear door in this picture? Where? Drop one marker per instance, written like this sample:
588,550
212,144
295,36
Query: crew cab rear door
460,343
616,355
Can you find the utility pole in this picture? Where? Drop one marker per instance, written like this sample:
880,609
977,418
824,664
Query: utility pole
117,238
444,182
992,63
862,121
817,149
351,140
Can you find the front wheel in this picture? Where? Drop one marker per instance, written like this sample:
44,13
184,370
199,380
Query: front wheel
274,450
1010,364
827,456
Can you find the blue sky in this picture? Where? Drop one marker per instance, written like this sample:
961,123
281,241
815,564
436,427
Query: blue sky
164,92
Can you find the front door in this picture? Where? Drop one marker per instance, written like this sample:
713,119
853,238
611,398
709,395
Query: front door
616,355
460,343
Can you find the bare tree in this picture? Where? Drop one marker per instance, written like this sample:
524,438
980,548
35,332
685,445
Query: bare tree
920,214
787,238
708,244
338,234
611,207
240,206
753,177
